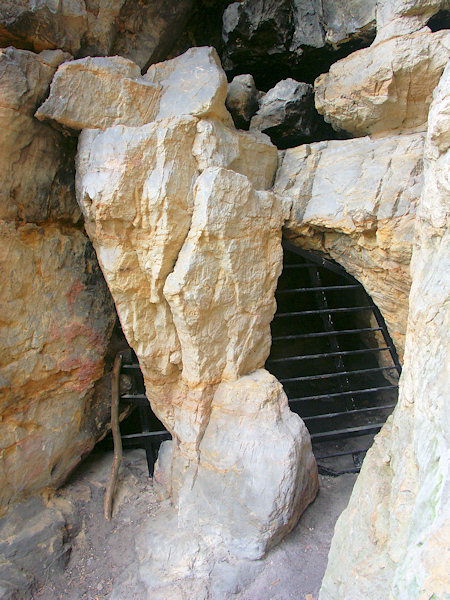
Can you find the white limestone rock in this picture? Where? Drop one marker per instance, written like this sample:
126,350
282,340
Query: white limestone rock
101,92
192,84
189,240
256,472
134,186
251,154
221,291
386,87
400,17
355,200
398,517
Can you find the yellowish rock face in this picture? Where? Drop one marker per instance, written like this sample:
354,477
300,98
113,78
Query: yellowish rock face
386,87
56,323
57,314
356,201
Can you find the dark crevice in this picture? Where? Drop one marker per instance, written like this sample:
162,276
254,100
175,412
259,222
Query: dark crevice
268,69
440,21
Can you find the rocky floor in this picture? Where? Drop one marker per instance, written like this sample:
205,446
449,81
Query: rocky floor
102,551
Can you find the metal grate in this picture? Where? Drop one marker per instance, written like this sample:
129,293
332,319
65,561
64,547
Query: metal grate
333,354
151,431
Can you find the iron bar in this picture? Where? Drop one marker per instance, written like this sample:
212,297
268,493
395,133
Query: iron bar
386,335
326,355
136,399
332,473
338,394
154,436
329,375
322,288
132,367
349,432
346,453
323,310
305,336
348,412
319,260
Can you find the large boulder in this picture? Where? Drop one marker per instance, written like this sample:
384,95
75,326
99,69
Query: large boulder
242,100
253,443
102,92
188,236
398,517
355,201
386,87
141,31
116,193
287,114
56,324
36,163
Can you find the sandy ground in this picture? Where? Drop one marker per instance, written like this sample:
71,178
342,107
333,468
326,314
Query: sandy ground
102,550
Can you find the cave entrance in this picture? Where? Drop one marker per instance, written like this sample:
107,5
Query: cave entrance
333,354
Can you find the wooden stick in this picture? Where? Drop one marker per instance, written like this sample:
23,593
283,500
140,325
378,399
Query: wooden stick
115,392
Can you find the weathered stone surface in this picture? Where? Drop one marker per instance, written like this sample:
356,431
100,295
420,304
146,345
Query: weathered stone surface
33,168
256,457
222,309
56,323
288,115
355,200
32,541
192,84
242,100
99,92
299,38
44,25
399,514
400,17
351,19
250,154
143,32
146,32
386,87
189,241
135,187
57,312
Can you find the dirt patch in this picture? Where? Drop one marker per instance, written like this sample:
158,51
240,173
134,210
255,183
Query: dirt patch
102,551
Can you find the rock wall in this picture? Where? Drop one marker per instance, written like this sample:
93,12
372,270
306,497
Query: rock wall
355,201
57,314
398,518
186,224
143,32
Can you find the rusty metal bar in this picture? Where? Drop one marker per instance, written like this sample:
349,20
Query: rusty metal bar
322,310
305,336
326,355
338,394
329,375
322,288
348,412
